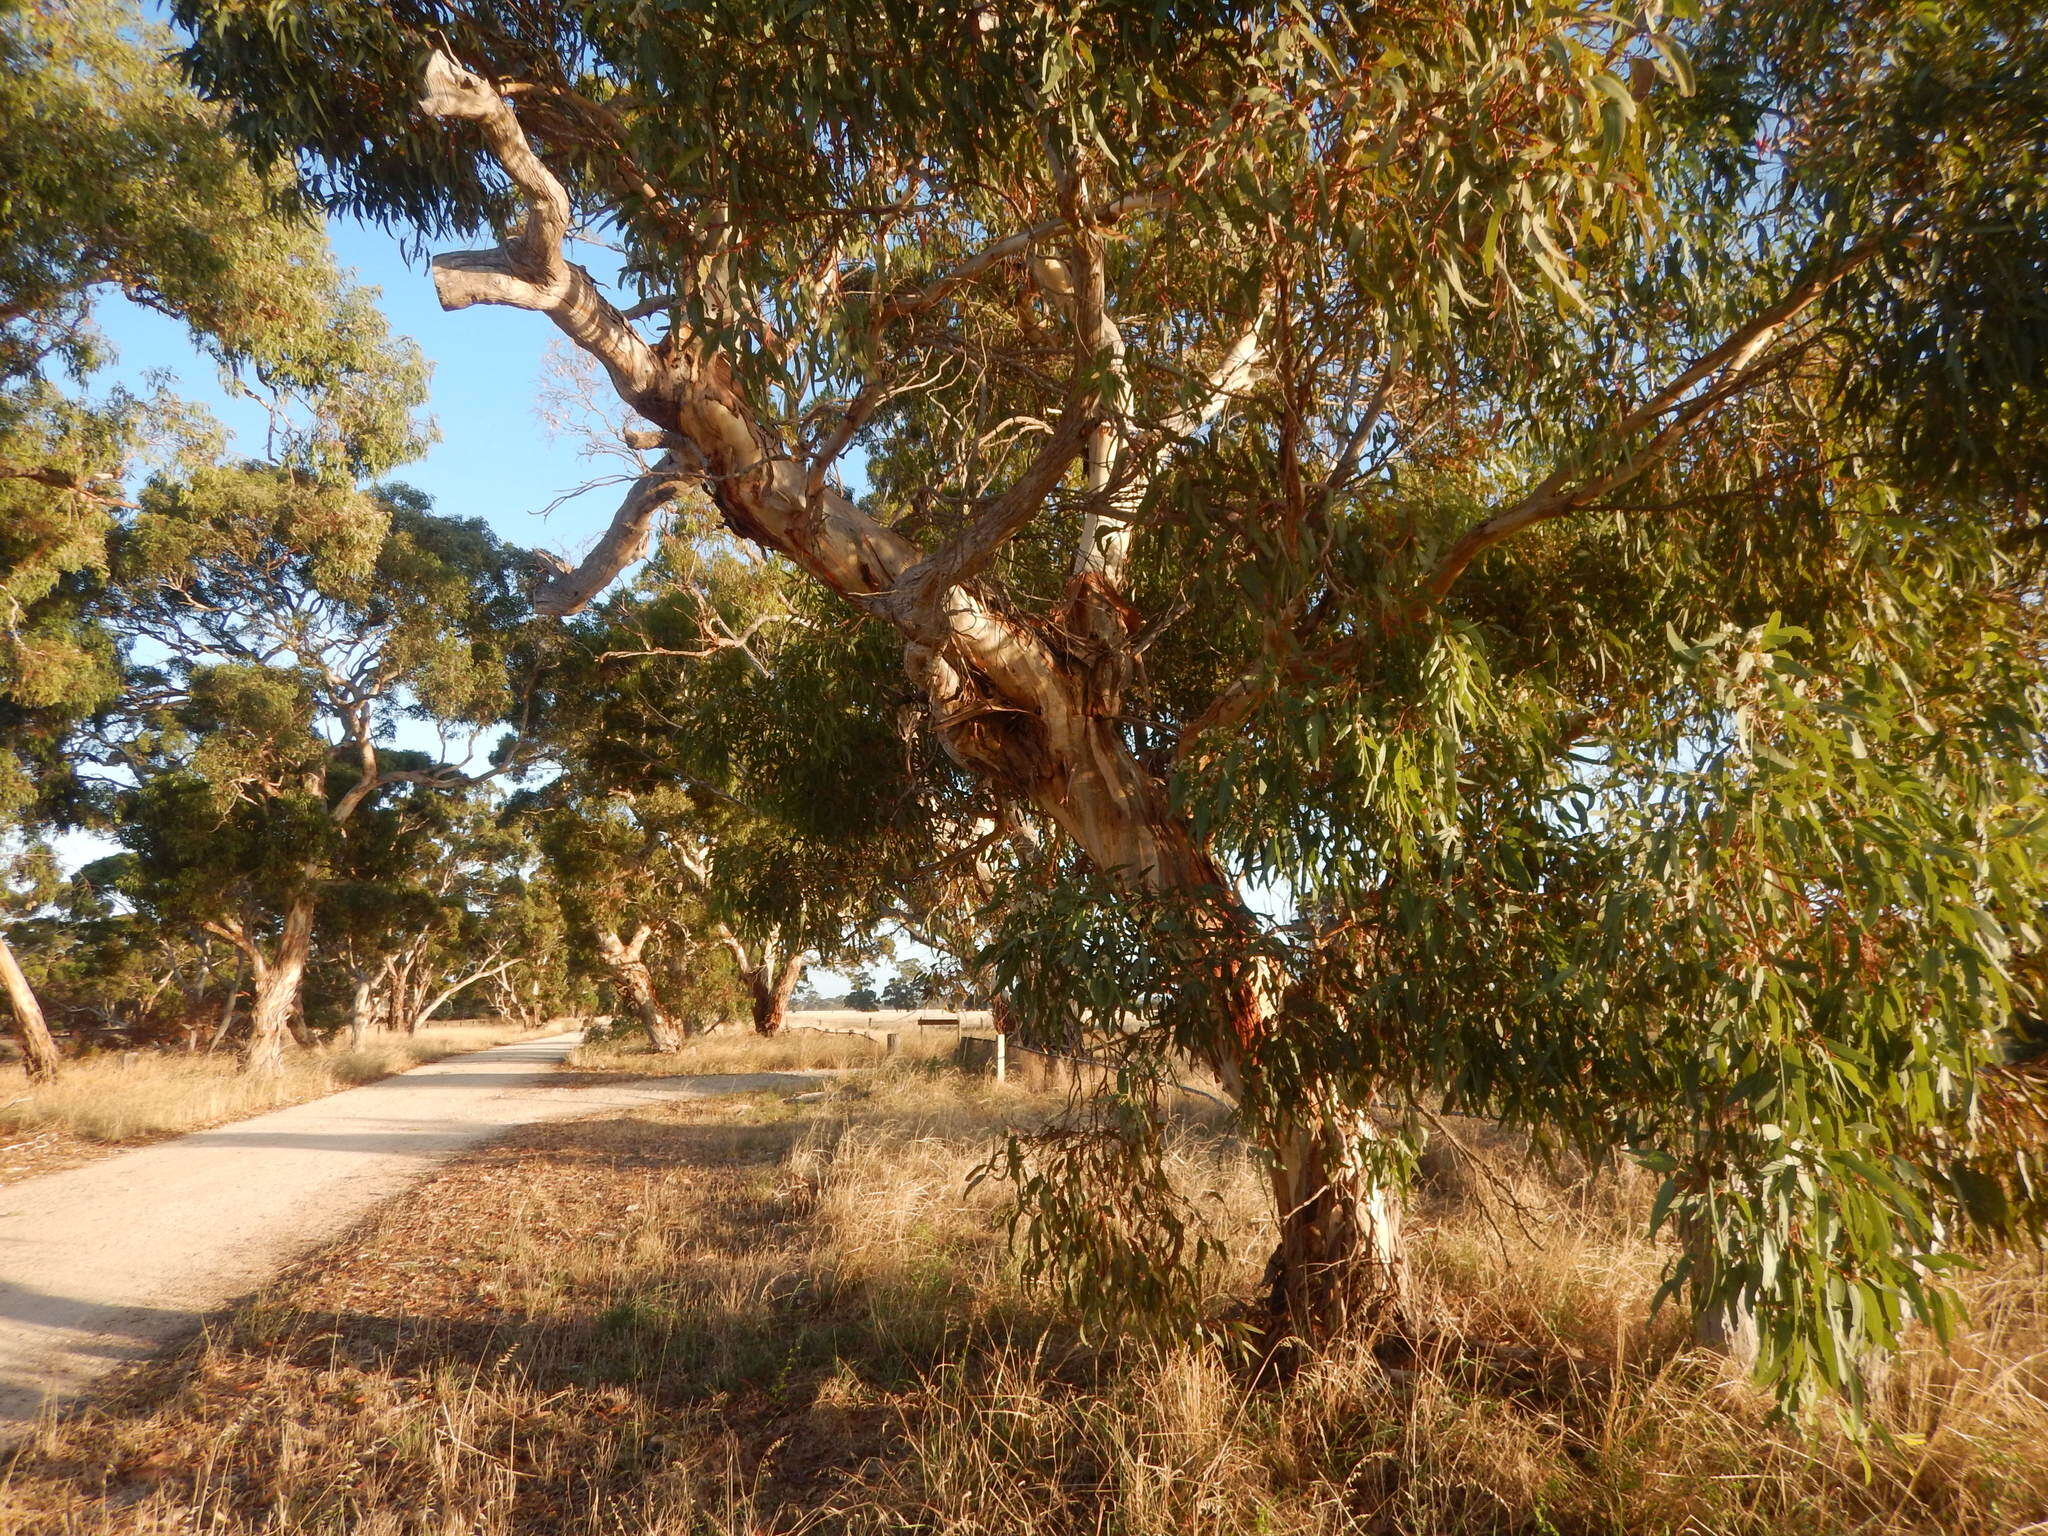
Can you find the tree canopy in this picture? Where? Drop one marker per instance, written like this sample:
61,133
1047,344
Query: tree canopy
1545,493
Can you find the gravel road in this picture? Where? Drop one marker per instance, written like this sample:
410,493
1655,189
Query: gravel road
107,1263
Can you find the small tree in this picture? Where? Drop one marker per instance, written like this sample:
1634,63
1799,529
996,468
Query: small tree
627,874
784,812
407,910
908,988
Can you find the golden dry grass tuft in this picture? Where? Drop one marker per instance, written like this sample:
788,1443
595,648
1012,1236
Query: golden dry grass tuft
113,1099
762,1315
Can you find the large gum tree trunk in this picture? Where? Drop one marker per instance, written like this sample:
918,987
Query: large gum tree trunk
277,990
38,1051
631,972
1340,1263
771,985
1037,722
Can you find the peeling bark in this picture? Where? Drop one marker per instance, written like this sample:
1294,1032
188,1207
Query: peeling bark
1035,722
636,980
277,988
38,1051
362,1012
771,986
1341,1265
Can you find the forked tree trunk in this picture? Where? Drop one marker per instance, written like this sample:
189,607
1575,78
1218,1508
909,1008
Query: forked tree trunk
227,1007
38,1051
295,1022
637,982
771,986
277,989
1036,722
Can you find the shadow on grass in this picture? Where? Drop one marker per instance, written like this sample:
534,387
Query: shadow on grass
714,1348
733,1340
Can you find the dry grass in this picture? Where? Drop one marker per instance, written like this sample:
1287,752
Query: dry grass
755,1315
120,1098
797,1048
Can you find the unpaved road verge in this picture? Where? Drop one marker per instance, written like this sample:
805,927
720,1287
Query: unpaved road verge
107,1263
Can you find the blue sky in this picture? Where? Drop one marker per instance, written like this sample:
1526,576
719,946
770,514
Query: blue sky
494,460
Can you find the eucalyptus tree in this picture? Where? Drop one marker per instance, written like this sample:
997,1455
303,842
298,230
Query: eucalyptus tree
1545,489
28,877
628,876
110,972
406,912
757,742
120,183
278,630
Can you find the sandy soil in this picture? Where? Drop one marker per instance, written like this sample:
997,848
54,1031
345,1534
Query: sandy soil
107,1263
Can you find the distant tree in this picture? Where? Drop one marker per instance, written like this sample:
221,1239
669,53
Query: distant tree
110,974
909,988
408,910
862,995
278,629
523,914
802,862
628,871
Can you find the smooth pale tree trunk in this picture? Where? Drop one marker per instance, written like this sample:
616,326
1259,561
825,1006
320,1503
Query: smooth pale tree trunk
1729,1329
277,989
227,1007
1341,1264
771,986
624,961
1726,1327
38,1050
362,1011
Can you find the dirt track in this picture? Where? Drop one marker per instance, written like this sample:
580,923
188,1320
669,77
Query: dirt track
107,1263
